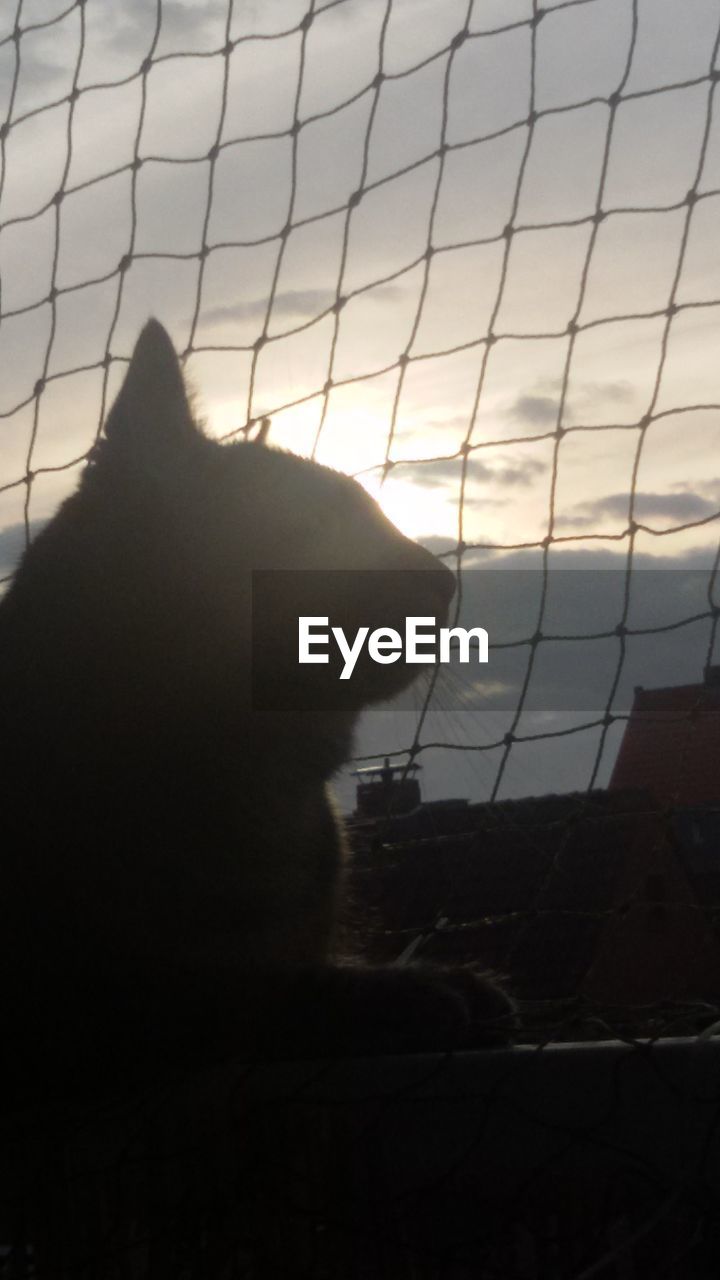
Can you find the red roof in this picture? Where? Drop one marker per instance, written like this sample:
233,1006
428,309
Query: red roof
671,745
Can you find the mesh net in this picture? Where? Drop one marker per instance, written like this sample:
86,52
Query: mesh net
467,252
469,258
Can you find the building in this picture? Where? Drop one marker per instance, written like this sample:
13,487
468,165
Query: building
671,745
604,901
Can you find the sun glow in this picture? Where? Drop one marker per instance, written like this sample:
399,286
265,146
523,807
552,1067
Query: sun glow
416,510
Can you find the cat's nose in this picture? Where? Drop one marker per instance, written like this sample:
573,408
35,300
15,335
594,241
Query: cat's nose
441,582
436,585
430,583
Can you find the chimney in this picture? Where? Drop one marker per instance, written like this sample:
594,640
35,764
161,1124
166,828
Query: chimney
387,789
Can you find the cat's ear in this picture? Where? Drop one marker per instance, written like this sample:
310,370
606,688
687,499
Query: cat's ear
151,416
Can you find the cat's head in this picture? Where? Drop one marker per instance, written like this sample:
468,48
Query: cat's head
158,548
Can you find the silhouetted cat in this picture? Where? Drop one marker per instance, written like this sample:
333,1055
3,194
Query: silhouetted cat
171,858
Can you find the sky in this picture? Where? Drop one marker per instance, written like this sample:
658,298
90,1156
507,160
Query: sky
522,118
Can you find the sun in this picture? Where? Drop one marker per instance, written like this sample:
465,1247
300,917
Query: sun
418,511
353,444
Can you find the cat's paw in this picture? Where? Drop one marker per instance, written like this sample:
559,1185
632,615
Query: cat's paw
491,1013
422,1008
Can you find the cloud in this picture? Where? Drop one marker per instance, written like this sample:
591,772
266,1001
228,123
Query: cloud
12,544
540,406
434,474
619,391
585,557
123,23
582,601
440,545
38,71
188,17
710,486
295,304
516,473
121,36
679,507
540,410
